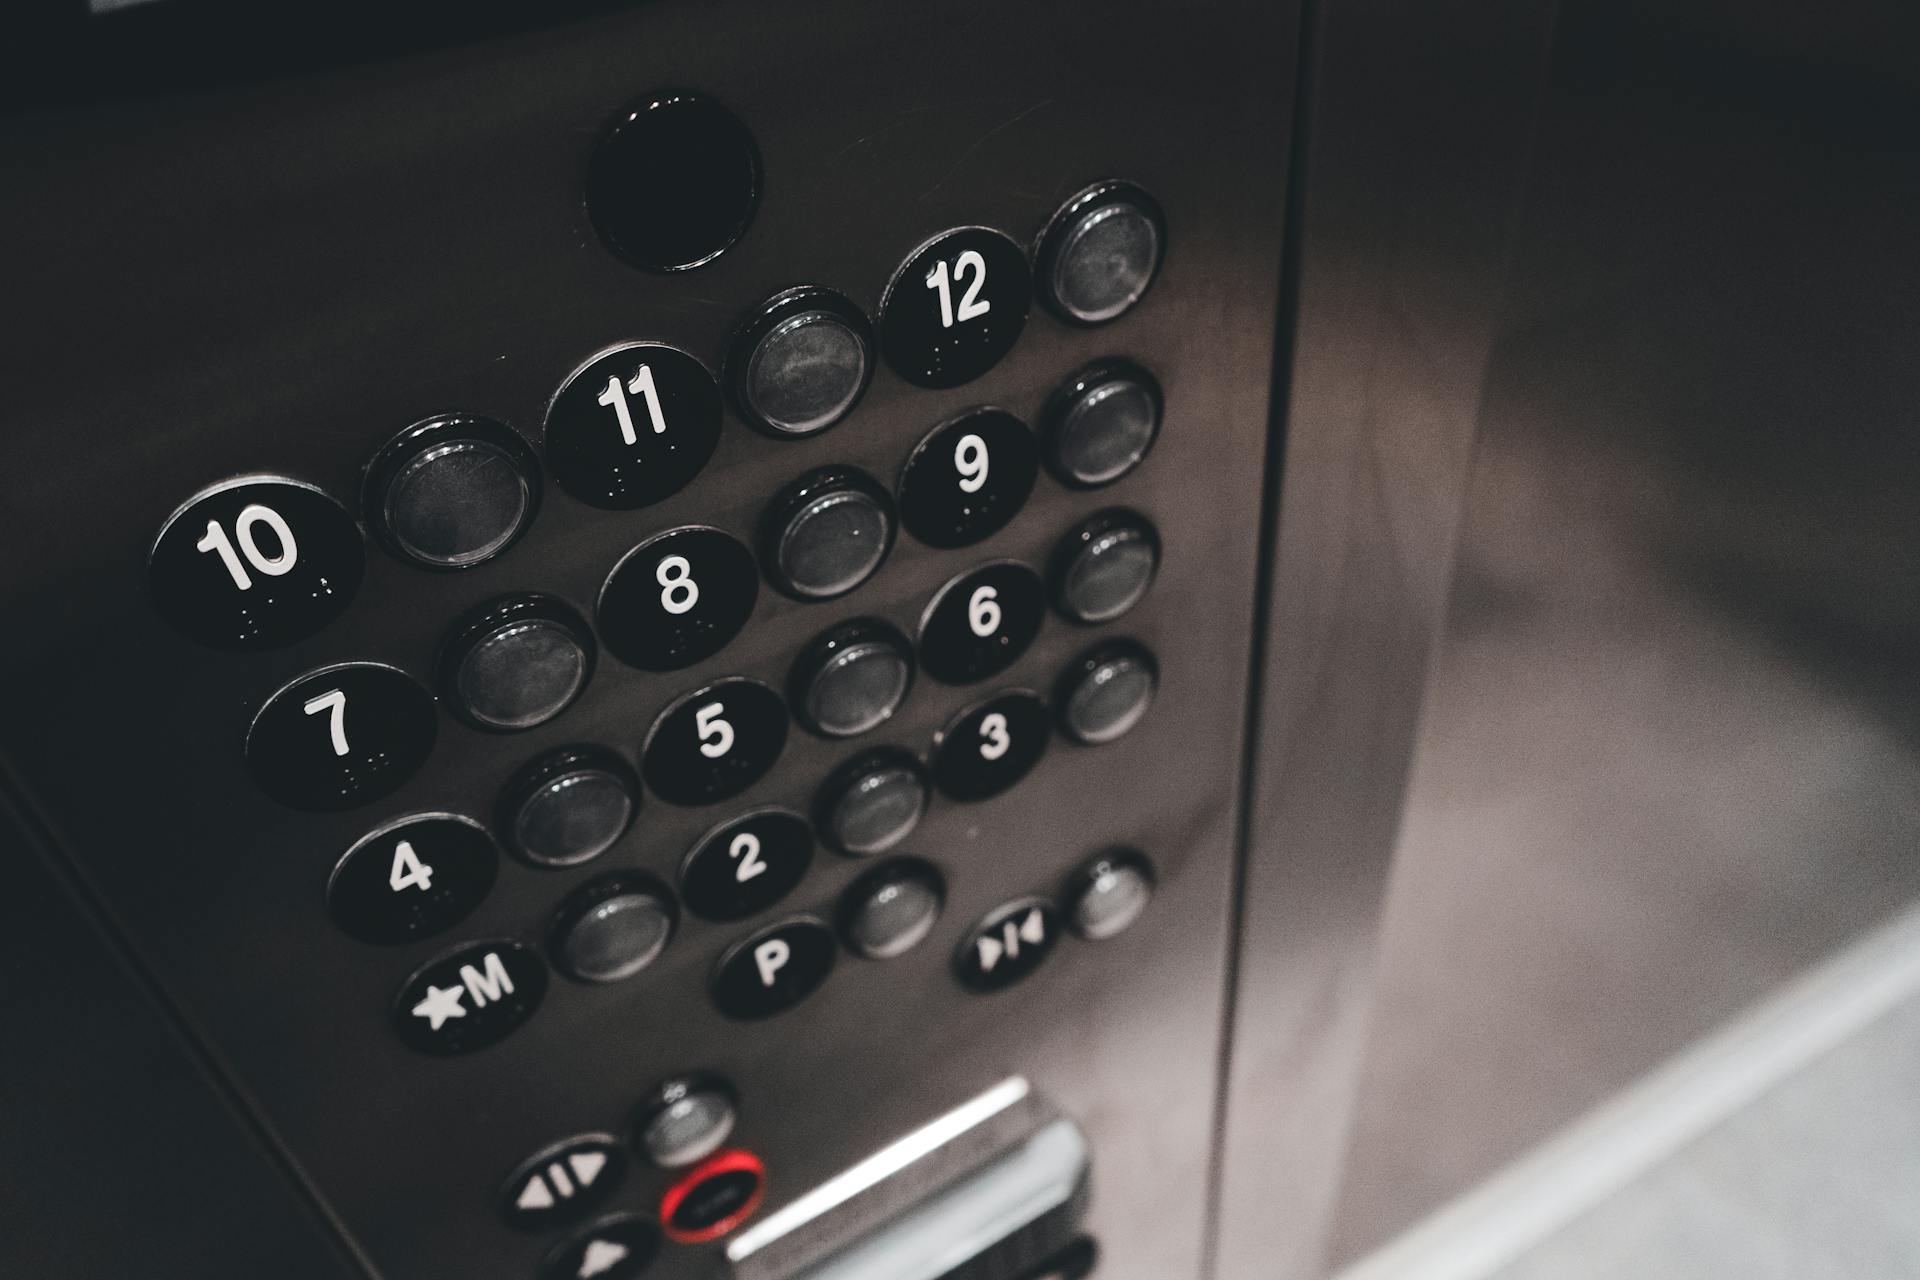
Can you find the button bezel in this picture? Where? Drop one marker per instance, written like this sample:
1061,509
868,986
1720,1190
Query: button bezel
773,314
445,432
1048,245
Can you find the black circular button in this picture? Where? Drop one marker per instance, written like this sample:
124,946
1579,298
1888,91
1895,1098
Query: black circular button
451,492
715,742
1101,422
563,1183
256,563
890,910
826,533
632,426
617,1248
1105,691
1006,946
1108,893
714,1198
516,662
980,623
412,879
968,478
678,598
990,746
612,928
470,998
801,363
744,866
1100,252
773,970
872,802
1104,565
568,806
955,307
684,1119
341,736
673,182
851,678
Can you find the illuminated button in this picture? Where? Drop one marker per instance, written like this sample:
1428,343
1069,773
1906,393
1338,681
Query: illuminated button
1104,692
852,678
617,1248
714,743
568,806
872,802
684,1119
968,478
980,623
801,363
990,746
826,533
674,182
516,662
1108,894
470,998
412,879
744,866
1101,422
1100,252
451,492
890,910
612,928
341,736
1008,945
678,598
563,1183
955,307
1102,568
773,970
714,1197
632,426
257,563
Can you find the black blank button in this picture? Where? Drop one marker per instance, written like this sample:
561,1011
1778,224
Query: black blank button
827,533
1104,692
517,662
613,928
852,678
569,806
674,182
872,802
1102,422
451,492
1103,566
801,363
1100,252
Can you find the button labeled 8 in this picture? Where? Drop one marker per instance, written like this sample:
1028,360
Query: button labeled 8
677,598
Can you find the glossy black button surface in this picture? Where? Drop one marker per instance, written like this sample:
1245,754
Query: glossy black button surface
990,746
678,598
674,182
617,1248
1009,944
1103,567
775,969
256,563
746,865
451,492
633,426
801,363
1105,691
470,998
851,678
872,802
611,928
1101,422
341,736
955,307
826,533
516,662
1108,893
890,910
568,806
967,478
412,879
1100,252
714,743
980,623
563,1183
714,1197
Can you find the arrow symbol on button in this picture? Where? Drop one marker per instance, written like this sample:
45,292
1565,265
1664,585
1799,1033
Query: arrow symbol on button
601,1257
587,1165
990,953
535,1194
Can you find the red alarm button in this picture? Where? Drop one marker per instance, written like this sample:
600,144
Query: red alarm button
714,1197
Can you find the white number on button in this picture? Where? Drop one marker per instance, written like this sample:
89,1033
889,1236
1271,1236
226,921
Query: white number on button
716,735
678,591
614,396
273,566
971,303
746,848
970,460
408,871
335,701
983,612
994,738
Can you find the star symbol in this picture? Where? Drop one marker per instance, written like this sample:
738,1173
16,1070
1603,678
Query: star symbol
440,1004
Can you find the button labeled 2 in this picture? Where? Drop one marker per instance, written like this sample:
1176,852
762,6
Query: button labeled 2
678,598
714,743
341,736
412,879
633,426
747,865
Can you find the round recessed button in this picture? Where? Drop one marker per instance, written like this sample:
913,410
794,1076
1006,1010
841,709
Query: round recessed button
968,478
451,492
470,998
1104,565
980,623
617,1248
1105,691
773,970
714,743
1007,945
872,802
412,878
568,806
678,598
612,928
851,678
684,1119
673,182
341,736
516,662
632,426
990,746
255,563
563,1183
744,866
1101,422
955,307
890,910
1108,893
1100,252
801,363
714,1197
826,533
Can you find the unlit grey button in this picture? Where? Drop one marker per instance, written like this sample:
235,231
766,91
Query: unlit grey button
613,932
1105,692
873,803
457,505
826,533
806,373
1106,429
1103,568
858,689
890,910
570,806
1101,251
521,675
685,1120
1108,894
